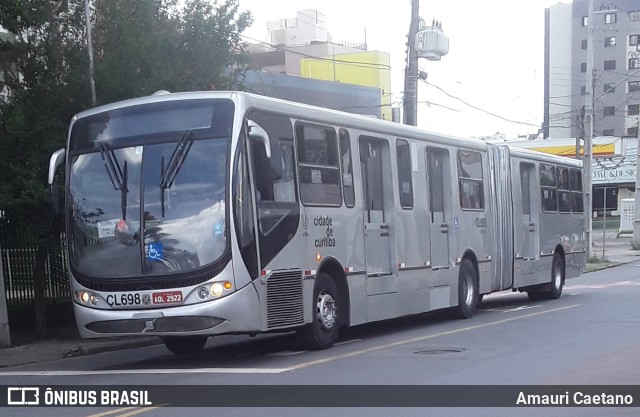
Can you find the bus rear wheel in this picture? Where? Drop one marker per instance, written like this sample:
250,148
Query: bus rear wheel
324,329
185,345
553,289
468,295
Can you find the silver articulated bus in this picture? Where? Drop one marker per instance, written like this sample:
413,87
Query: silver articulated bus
197,214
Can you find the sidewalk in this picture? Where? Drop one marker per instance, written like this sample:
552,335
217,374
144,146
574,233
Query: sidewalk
67,343
617,250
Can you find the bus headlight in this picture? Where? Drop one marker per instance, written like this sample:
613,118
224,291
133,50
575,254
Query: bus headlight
217,289
203,292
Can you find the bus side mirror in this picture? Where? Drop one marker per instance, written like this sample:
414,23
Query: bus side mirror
271,148
57,159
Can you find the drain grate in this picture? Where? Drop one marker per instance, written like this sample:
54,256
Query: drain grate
440,351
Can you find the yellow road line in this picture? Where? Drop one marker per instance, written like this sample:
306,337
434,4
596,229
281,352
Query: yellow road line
418,339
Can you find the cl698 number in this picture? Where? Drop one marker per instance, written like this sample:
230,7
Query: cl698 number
125,299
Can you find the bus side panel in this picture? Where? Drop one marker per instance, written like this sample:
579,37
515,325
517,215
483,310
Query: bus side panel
471,231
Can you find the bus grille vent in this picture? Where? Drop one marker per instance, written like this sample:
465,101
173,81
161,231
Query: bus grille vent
284,299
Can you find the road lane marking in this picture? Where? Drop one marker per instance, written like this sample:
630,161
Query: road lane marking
280,370
421,338
142,410
150,371
108,413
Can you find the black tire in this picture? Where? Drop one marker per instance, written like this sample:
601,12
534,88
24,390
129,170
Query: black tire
324,329
553,289
468,295
185,345
557,277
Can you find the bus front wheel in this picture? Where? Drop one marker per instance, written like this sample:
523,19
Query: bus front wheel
324,329
185,345
468,295
553,289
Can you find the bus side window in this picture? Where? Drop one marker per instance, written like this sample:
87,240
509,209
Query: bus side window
347,169
470,180
564,196
577,202
318,165
549,190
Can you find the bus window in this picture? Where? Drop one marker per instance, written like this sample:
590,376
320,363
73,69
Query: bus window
577,202
318,167
548,185
564,196
470,180
405,182
347,169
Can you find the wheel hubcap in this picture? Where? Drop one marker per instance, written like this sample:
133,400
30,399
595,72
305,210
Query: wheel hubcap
327,310
468,291
557,277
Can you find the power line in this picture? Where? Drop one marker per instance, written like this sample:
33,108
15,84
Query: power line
480,109
287,49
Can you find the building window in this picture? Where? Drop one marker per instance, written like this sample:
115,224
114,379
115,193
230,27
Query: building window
632,131
583,90
609,88
584,44
633,109
585,20
609,41
610,65
609,110
470,180
583,67
634,16
634,40
608,132
610,18
633,86
634,63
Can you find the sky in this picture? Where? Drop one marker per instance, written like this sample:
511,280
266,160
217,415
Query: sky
495,60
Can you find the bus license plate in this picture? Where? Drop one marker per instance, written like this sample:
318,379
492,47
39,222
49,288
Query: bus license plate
167,297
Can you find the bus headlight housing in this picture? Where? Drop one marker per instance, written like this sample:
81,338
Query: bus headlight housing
215,289
87,298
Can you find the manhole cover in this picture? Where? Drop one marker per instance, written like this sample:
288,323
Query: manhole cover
438,351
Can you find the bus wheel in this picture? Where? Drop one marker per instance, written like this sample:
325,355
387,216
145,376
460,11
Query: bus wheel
557,277
553,289
324,329
467,290
185,345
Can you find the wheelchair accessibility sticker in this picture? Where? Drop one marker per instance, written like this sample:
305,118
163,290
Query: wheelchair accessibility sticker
155,251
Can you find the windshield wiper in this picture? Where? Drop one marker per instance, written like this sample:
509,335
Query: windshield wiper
119,176
178,156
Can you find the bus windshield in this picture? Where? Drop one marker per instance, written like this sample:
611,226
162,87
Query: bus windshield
147,197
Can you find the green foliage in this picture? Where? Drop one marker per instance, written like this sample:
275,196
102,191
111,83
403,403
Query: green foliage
139,47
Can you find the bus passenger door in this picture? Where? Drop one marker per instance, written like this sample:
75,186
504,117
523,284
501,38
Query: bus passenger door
440,221
529,224
376,229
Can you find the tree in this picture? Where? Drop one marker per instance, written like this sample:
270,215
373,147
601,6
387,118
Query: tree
140,47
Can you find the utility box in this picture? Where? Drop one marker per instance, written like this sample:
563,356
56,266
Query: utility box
626,215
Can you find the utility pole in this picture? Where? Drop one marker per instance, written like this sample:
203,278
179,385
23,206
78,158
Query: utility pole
92,81
410,100
635,243
588,135
5,339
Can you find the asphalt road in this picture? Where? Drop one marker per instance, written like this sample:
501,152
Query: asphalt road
590,336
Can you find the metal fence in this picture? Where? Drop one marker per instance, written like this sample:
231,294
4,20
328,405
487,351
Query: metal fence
18,255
